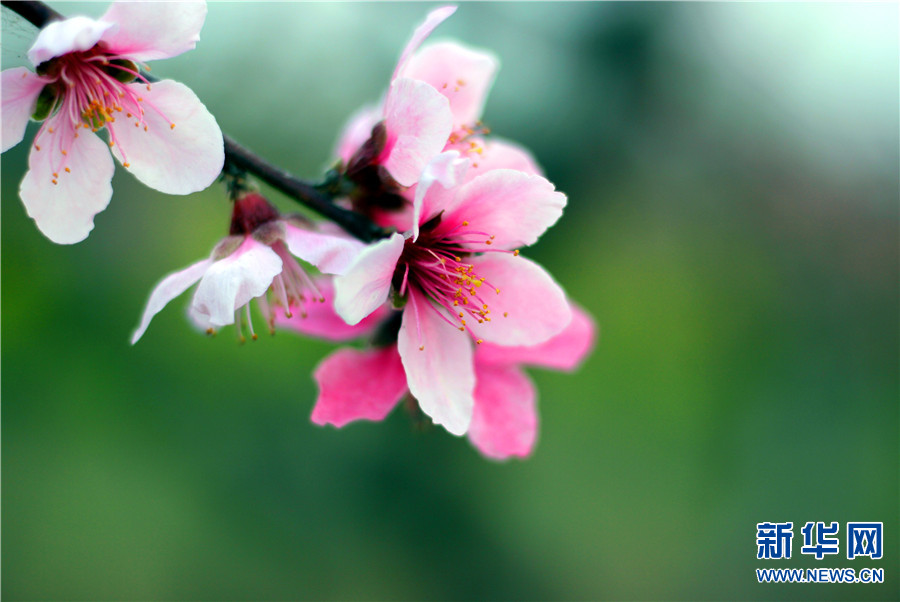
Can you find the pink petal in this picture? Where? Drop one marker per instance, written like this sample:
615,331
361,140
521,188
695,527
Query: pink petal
365,286
358,385
461,74
233,281
357,131
62,37
179,160
530,308
447,170
170,287
418,122
434,18
332,254
154,30
514,207
65,211
504,421
500,154
20,89
564,351
438,362
322,321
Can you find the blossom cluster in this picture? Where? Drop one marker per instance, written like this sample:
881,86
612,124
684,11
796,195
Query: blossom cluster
446,307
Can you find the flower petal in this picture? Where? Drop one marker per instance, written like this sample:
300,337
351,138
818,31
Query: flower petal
358,385
62,37
564,351
497,153
20,89
365,286
331,254
462,74
321,321
170,287
447,170
438,363
154,30
418,123
357,130
179,160
233,281
514,207
504,421
434,18
530,307
65,211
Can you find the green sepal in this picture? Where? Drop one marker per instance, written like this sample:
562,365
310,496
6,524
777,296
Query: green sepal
397,301
45,104
123,76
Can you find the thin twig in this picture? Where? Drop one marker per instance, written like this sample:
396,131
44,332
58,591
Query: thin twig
39,14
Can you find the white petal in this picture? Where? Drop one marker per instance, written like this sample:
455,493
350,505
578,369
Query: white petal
365,286
233,281
439,366
20,89
179,160
332,254
170,287
154,30
447,170
65,211
62,37
434,18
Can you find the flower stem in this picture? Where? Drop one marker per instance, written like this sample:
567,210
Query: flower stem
307,194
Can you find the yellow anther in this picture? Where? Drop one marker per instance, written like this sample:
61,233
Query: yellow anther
54,181
127,114
64,152
516,253
50,130
55,175
465,223
146,128
36,147
460,82
68,170
498,291
421,347
111,144
148,88
489,242
171,126
136,124
126,164
506,314
479,341
484,306
444,86
139,99
462,328
461,314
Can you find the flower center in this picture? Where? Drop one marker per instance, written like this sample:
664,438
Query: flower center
89,90
436,264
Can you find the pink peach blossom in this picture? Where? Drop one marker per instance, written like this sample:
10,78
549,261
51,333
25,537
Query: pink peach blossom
456,270
367,384
435,98
87,80
255,262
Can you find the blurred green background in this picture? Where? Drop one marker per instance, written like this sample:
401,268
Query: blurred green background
732,172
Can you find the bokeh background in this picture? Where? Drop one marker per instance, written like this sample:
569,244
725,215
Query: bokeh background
732,172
